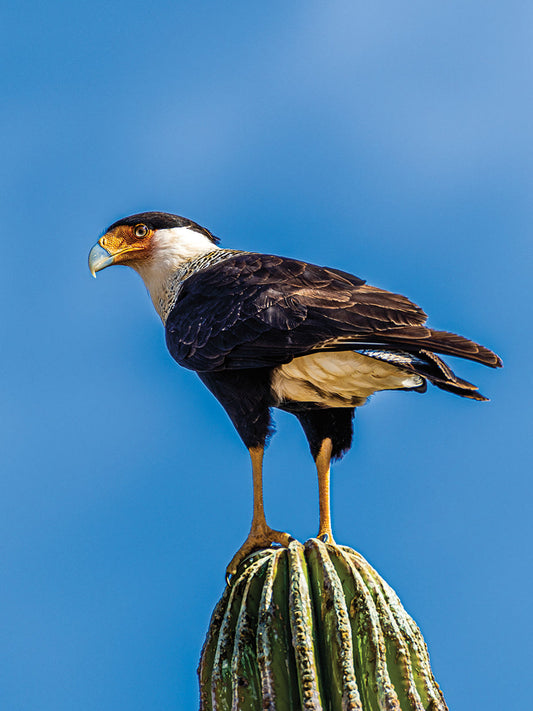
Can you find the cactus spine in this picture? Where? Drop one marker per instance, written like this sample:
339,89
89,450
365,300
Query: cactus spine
314,627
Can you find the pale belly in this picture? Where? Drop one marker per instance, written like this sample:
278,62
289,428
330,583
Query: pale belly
338,379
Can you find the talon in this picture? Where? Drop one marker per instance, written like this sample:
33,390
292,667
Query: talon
280,537
257,540
326,537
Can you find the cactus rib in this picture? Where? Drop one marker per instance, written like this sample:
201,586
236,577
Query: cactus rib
316,628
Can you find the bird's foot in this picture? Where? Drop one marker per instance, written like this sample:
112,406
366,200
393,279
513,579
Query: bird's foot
258,538
326,536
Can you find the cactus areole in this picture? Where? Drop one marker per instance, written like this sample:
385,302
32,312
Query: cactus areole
314,627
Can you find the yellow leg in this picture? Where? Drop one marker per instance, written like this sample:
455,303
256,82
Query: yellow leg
261,535
322,462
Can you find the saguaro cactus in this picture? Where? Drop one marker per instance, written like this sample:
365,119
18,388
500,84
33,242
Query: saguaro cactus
314,627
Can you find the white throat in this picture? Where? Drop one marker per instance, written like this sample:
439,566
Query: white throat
171,249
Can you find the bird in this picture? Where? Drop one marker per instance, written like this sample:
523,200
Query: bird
264,331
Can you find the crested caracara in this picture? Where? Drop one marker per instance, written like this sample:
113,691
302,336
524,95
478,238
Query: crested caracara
264,331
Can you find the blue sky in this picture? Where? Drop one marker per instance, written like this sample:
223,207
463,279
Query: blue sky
391,142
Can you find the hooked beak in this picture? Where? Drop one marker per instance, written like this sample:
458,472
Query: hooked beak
99,258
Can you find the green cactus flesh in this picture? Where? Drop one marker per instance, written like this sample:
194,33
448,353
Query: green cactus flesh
313,627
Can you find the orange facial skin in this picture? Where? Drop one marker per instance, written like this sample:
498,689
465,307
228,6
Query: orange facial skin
127,243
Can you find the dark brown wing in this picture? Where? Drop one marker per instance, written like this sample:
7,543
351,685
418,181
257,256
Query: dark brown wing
257,310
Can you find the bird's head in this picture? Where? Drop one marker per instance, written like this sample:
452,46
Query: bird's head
150,242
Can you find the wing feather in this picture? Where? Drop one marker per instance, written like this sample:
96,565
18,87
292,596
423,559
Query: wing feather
256,310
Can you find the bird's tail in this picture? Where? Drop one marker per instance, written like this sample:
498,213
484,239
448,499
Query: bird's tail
415,339
454,345
440,374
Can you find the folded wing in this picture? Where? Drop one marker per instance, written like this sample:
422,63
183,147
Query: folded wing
256,310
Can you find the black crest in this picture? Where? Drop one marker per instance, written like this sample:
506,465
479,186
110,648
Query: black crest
163,221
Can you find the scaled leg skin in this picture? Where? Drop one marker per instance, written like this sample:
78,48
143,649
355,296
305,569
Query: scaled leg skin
323,462
329,433
261,535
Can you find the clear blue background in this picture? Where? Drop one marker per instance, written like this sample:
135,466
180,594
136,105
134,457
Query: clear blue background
388,139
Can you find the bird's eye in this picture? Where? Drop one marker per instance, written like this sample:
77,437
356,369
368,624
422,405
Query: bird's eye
141,231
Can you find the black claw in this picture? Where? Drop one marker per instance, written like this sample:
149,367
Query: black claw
324,537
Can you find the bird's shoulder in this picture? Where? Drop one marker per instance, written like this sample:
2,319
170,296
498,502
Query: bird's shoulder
254,269
257,282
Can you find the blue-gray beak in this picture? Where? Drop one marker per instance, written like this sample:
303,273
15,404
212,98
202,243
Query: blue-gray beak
99,258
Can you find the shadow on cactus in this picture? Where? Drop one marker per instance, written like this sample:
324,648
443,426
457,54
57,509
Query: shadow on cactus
314,627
